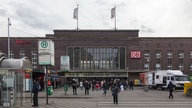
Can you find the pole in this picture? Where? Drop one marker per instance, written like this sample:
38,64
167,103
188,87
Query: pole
46,84
115,18
8,39
77,16
31,86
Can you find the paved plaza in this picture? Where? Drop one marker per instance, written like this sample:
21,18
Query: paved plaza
127,99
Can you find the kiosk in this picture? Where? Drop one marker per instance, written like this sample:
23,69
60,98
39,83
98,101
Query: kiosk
12,80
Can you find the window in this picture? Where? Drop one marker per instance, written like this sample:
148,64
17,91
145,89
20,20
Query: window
146,66
158,66
157,76
97,57
191,54
22,54
34,59
147,55
180,66
172,78
181,54
11,54
169,66
158,54
169,54
191,67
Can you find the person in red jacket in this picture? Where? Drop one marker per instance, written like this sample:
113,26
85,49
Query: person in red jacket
49,82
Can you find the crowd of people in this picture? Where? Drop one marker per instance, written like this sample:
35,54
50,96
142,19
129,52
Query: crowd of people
115,86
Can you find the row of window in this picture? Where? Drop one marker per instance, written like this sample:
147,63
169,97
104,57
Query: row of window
169,66
104,58
169,54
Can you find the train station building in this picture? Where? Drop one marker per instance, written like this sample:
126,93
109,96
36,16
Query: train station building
106,54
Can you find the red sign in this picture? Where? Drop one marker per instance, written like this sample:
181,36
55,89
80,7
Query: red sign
22,42
135,54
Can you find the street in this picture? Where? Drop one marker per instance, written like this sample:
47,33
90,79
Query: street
127,99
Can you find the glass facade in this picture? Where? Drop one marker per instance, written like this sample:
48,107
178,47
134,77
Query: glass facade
95,58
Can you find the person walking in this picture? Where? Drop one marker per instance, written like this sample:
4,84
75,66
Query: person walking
131,84
74,86
93,85
171,89
87,86
115,90
35,91
105,88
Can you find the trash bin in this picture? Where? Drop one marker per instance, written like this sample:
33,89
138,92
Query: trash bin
65,88
49,90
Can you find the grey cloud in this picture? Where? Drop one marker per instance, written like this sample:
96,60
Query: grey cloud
31,17
3,12
35,17
146,29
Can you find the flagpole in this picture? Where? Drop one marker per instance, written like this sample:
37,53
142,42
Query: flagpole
8,39
77,16
115,18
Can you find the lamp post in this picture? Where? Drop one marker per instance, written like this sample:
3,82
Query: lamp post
9,24
147,85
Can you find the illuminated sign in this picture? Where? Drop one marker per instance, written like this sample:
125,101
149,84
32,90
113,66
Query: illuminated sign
135,54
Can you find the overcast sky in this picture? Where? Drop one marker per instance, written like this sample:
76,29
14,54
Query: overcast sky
153,18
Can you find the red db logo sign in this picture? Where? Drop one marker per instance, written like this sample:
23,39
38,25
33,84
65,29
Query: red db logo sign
135,54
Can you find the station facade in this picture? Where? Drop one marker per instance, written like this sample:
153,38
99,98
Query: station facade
106,54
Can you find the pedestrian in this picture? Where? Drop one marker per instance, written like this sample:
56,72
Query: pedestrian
105,88
171,89
115,90
87,86
41,84
122,87
35,91
74,86
81,85
93,85
48,82
131,85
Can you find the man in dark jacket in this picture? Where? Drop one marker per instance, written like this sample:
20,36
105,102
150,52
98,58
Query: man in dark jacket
74,86
87,86
35,91
115,90
171,89
105,88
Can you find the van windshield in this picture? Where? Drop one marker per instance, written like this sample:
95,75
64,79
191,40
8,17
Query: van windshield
181,78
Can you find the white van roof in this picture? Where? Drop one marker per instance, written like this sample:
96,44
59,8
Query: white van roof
175,72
